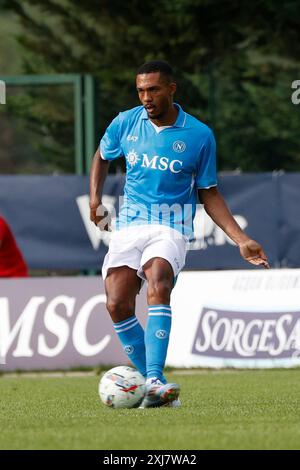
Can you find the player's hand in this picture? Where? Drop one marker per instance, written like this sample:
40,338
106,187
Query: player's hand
100,216
252,252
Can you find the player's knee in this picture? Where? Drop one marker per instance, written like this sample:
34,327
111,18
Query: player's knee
159,292
119,309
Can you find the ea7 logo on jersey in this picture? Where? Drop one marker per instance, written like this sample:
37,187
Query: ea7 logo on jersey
132,138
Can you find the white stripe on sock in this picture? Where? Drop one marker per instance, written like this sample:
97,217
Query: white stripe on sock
160,314
128,327
133,319
159,308
159,311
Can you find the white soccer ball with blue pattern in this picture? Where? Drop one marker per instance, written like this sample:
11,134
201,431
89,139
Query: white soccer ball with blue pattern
122,387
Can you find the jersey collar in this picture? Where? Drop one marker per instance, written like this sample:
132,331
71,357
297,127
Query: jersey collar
181,117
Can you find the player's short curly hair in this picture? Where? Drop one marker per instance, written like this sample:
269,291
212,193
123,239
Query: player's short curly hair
161,66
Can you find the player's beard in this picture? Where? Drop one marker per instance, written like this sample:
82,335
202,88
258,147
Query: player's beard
155,116
161,108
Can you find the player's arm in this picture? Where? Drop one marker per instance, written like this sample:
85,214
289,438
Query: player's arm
109,149
98,174
217,209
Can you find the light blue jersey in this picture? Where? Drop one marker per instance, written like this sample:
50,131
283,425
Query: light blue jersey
164,169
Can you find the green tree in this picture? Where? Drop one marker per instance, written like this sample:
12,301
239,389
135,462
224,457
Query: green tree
235,62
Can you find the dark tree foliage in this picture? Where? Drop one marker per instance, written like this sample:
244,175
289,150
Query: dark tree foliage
234,60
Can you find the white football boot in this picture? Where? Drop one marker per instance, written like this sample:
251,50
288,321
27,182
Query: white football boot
160,394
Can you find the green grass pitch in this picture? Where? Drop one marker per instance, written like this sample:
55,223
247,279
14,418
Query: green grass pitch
221,410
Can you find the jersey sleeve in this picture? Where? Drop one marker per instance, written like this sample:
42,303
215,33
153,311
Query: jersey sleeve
206,176
110,144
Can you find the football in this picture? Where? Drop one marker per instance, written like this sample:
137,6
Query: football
122,387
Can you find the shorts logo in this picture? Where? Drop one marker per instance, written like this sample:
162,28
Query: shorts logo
129,349
161,334
179,146
132,138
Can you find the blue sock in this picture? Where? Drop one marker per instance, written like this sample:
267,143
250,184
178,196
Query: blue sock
157,339
131,335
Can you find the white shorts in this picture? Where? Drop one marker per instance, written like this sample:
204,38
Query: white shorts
135,245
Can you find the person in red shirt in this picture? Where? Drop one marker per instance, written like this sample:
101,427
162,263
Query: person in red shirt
12,263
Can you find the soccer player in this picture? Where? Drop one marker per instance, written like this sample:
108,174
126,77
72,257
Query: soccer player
170,160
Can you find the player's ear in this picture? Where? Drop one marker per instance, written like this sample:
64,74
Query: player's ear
173,88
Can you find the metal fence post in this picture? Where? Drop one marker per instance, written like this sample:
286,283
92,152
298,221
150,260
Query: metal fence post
89,120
